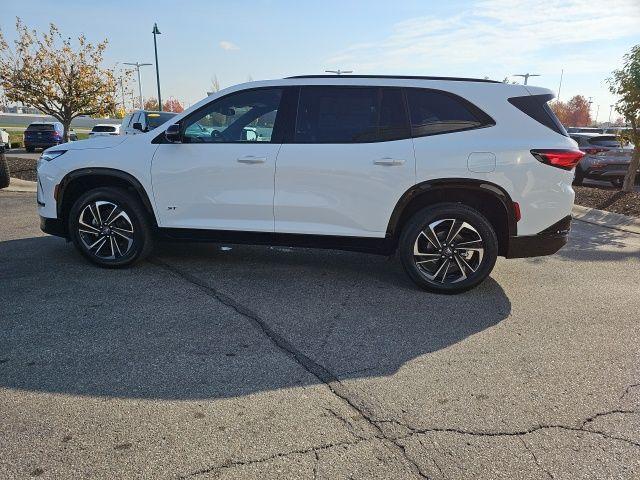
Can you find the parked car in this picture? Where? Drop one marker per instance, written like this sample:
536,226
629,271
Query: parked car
104,129
572,130
142,121
4,138
606,158
44,135
448,172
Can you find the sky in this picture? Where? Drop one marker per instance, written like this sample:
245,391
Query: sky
263,39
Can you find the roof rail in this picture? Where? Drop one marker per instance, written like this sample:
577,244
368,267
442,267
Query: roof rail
401,77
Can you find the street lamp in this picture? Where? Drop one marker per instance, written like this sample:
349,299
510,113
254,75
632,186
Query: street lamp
526,76
155,48
610,112
138,65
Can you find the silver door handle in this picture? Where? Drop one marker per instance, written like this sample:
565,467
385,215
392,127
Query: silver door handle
250,159
389,161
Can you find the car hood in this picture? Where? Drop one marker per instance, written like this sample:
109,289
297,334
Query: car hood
94,142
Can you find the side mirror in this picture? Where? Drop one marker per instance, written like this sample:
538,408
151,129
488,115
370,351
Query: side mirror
172,134
137,126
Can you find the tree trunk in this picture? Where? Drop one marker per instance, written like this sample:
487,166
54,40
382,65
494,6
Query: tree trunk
67,126
4,169
630,177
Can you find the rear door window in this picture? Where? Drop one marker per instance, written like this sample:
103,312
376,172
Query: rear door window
434,112
337,114
334,114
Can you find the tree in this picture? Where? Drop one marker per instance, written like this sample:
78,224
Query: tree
172,105
215,85
59,78
625,84
151,104
574,113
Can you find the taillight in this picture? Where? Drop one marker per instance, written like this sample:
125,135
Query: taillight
516,211
565,159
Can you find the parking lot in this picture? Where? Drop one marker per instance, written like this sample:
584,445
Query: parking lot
257,362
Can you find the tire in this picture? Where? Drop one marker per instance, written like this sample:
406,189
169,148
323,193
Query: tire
617,182
30,149
444,269
4,170
119,240
578,178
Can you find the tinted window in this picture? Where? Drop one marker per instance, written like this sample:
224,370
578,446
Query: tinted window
103,128
41,127
393,123
537,108
247,116
605,141
155,119
328,114
337,115
437,112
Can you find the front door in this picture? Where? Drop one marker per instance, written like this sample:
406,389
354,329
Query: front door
221,175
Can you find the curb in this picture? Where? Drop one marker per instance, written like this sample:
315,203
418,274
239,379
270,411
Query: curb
17,185
616,221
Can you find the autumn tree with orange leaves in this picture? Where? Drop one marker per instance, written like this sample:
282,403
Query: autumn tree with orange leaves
59,77
171,105
574,113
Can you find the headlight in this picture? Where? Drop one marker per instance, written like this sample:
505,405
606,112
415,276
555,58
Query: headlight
48,156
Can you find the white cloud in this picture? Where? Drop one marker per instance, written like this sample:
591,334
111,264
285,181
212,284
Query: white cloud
497,37
227,45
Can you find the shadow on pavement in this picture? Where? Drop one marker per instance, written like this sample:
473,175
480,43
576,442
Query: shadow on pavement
147,332
596,243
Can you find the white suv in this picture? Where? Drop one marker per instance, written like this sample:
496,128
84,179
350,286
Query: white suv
448,172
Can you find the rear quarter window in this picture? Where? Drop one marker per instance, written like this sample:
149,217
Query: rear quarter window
435,112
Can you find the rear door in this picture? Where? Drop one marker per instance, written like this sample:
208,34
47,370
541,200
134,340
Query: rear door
348,162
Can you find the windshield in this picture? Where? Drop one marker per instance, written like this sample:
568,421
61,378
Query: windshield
154,119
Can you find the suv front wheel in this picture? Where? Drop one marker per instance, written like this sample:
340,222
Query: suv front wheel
110,227
448,248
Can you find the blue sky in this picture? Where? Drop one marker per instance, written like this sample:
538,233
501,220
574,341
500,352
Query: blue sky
271,39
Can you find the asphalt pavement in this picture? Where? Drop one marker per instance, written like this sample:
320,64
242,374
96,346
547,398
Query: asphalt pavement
216,361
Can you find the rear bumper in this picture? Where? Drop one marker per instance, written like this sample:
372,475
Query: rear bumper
547,242
53,226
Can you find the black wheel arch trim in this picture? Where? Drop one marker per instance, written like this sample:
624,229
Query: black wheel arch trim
103,171
448,183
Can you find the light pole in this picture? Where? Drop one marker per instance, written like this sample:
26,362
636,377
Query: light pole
138,65
526,76
124,108
597,113
610,112
155,48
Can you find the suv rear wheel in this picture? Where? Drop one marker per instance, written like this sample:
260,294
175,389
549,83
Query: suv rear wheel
110,227
448,248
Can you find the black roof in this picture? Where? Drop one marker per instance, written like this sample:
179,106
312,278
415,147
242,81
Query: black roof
402,77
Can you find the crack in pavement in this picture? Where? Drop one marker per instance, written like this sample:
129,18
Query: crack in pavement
628,389
337,388
535,458
239,463
314,368
518,433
